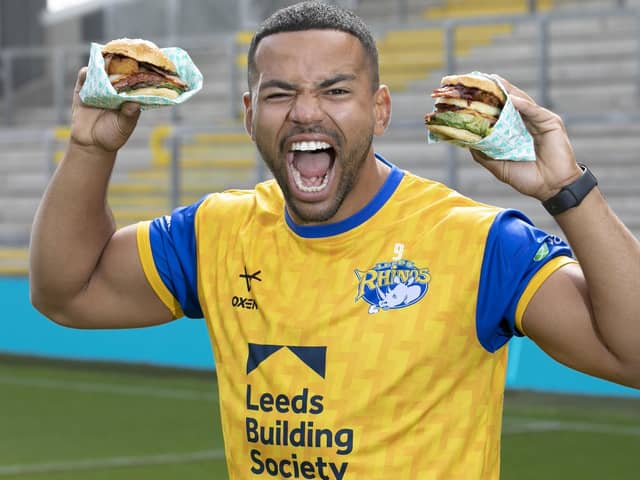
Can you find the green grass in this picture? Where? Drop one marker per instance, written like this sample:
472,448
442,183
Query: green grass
164,423
64,421
567,437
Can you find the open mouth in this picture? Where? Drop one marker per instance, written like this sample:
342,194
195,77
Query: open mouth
311,164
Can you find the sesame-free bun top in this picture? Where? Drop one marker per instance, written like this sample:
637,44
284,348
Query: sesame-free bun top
140,50
475,81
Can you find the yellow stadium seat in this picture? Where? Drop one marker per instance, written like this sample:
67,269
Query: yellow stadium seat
409,55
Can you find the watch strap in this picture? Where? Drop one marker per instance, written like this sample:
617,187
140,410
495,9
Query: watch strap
571,195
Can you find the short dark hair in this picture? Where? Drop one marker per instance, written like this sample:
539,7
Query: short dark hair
313,15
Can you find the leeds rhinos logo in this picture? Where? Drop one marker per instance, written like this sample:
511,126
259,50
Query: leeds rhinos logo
391,285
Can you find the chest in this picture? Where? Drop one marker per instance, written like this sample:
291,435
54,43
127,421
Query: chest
389,291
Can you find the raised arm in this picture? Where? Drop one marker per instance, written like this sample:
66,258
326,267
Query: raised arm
586,316
84,273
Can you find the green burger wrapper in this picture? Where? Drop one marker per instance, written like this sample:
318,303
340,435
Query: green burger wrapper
97,91
509,138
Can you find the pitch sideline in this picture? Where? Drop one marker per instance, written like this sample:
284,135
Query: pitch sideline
109,388
514,426
113,462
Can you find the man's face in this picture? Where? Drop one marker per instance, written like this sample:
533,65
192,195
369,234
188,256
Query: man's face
312,113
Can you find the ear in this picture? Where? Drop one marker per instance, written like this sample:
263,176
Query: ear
248,114
382,99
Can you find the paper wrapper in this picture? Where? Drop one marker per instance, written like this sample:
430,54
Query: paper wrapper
97,91
509,139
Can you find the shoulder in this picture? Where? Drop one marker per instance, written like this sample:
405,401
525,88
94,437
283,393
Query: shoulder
266,196
439,200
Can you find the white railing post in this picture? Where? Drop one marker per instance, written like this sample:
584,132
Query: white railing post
543,61
175,179
7,86
449,32
637,69
60,101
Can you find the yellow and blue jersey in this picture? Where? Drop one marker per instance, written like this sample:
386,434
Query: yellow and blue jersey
367,348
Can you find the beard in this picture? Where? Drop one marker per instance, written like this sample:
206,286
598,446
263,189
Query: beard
351,161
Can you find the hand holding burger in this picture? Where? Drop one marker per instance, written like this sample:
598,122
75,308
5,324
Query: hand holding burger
139,67
466,108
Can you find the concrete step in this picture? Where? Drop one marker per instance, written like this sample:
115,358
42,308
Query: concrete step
580,63
614,183
383,11
15,233
596,49
413,141
18,209
572,28
564,97
14,261
20,184
596,131
582,5
23,159
560,72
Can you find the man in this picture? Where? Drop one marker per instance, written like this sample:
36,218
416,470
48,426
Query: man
357,312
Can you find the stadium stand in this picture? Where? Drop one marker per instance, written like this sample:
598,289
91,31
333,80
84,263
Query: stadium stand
586,42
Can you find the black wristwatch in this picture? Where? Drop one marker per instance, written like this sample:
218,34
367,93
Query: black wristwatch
571,195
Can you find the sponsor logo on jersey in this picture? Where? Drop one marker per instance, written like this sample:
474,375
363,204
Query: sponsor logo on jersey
250,276
247,303
546,247
542,253
313,357
293,421
392,285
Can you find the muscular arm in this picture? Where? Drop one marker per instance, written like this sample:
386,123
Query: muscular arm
83,273
586,316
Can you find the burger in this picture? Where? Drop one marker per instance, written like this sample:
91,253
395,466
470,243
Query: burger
139,67
466,108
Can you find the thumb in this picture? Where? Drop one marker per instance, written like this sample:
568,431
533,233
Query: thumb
130,109
128,117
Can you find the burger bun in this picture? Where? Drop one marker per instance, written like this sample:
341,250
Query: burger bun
154,92
475,81
451,133
140,50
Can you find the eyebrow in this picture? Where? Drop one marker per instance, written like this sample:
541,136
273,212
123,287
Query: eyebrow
341,77
275,83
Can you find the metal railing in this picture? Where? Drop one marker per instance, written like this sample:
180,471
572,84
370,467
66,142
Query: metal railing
543,43
181,135
53,89
62,57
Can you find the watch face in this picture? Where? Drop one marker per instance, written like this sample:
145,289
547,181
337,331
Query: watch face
571,195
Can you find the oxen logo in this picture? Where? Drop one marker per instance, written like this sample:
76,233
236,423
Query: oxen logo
391,285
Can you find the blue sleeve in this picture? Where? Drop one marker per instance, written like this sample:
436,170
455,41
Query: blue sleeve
173,245
515,251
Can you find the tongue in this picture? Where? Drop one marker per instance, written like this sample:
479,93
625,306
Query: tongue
312,164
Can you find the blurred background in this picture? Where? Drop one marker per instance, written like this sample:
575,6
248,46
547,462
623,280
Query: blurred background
580,58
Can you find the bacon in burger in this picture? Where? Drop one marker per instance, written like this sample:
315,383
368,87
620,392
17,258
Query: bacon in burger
466,107
139,67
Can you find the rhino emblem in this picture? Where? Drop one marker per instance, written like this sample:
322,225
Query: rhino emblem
392,285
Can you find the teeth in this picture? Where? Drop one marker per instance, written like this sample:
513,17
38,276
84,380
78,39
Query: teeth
309,146
309,188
